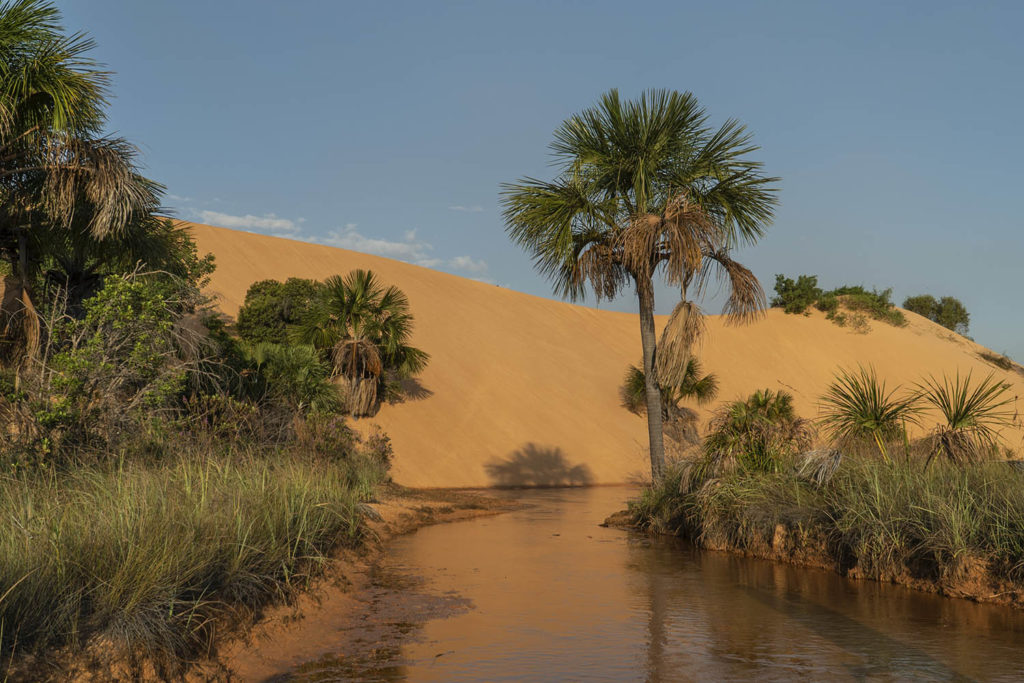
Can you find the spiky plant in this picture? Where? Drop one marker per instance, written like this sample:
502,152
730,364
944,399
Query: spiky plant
973,415
758,433
364,329
858,408
646,188
694,385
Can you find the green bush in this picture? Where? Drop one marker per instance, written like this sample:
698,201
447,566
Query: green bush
798,296
272,306
758,433
948,311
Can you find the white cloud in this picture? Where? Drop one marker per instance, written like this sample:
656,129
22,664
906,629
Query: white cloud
468,209
179,198
469,264
268,222
408,249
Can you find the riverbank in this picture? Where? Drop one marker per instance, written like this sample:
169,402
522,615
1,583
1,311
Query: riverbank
957,531
287,636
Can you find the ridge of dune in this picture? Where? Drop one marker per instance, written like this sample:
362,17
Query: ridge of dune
524,390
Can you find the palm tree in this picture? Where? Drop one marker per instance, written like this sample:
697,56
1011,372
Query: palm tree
52,157
646,188
364,328
693,385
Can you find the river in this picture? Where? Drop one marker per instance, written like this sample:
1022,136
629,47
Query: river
546,594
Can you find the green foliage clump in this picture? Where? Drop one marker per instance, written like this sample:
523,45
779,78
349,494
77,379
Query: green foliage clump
881,518
858,409
759,433
271,307
948,311
798,296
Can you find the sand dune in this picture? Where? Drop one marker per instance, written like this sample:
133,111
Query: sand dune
522,389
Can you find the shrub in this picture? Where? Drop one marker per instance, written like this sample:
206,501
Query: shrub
798,296
271,307
947,311
758,433
923,304
886,519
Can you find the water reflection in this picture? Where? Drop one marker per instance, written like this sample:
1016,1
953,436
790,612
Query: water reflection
545,594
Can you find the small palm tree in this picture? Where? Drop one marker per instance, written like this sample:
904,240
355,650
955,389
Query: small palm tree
678,422
973,416
857,408
693,385
647,189
364,329
759,432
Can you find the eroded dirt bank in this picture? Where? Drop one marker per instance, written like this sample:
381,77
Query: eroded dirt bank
971,580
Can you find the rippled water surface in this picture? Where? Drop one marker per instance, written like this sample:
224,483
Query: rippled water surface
545,594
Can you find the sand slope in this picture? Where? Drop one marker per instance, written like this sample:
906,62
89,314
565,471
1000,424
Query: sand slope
524,390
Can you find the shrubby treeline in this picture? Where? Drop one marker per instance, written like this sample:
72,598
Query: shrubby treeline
161,476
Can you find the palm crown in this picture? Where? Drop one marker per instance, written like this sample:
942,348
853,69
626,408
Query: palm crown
644,188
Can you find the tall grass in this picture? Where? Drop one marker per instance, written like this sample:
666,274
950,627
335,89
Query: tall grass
884,518
152,559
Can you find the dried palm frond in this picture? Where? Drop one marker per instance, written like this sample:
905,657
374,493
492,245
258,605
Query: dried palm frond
747,299
678,341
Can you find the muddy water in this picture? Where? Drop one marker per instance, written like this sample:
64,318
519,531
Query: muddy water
544,593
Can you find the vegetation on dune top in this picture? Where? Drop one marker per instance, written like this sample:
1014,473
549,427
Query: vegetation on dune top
849,305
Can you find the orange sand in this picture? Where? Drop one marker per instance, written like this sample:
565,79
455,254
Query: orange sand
525,389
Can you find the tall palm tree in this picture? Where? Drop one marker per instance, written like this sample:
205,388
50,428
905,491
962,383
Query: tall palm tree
646,188
364,328
52,156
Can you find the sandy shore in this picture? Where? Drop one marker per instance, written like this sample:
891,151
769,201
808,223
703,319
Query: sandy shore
287,636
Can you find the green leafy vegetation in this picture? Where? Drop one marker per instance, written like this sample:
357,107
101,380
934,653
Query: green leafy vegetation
153,559
942,524
797,296
161,479
758,433
947,311
946,512
858,409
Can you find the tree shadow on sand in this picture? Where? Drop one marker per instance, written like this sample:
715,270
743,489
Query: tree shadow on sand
411,389
536,466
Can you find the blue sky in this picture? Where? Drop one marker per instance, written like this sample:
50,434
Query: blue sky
388,127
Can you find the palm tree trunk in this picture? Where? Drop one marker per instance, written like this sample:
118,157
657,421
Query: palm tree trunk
30,321
652,392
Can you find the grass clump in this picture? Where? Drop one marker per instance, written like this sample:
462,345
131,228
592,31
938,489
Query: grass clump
874,518
153,560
